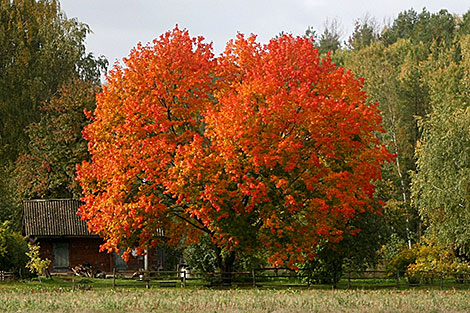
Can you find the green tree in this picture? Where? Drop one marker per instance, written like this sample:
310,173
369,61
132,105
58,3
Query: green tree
357,251
387,72
440,185
402,27
425,27
464,24
56,145
40,50
364,34
330,38
201,256
13,248
415,72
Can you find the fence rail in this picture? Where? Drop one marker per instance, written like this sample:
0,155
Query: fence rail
6,275
284,277
363,279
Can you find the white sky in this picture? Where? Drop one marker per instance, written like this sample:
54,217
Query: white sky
118,25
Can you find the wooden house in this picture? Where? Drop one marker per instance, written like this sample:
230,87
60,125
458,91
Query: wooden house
65,240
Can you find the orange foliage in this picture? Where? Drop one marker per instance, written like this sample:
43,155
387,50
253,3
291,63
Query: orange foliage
265,146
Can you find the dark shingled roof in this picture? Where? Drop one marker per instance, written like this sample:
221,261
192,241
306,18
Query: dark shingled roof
53,218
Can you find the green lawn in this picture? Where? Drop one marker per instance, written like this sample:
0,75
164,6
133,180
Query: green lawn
58,296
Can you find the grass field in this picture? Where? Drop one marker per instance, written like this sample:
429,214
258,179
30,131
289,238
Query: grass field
52,297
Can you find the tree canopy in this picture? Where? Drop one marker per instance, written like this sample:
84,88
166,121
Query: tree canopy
440,185
40,51
56,145
266,146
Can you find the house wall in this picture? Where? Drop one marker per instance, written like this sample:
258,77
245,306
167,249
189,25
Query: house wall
83,250
45,251
87,250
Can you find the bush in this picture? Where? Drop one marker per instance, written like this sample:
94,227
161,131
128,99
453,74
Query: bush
35,264
396,256
201,257
432,259
402,261
326,268
13,248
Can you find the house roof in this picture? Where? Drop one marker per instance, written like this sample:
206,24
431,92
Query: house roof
52,218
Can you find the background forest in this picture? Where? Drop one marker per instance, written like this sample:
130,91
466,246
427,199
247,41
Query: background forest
417,69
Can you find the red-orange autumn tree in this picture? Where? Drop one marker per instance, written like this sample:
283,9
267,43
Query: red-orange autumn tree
267,146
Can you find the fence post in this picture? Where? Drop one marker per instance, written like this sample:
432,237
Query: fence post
183,278
114,277
253,275
349,279
398,279
147,279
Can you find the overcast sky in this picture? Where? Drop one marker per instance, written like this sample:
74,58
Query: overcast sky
118,25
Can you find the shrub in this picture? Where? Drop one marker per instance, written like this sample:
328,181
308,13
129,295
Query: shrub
326,268
432,259
201,257
13,249
395,255
35,264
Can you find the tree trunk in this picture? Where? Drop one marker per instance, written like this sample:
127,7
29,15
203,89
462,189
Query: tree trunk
225,265
400,174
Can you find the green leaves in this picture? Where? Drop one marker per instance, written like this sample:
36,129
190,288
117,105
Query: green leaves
40,51
440,184
13,247
56,145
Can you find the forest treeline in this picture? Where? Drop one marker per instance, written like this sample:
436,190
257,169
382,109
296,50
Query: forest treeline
417,69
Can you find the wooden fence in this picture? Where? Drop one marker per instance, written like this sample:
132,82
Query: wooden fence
147,278
284,278
6,275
